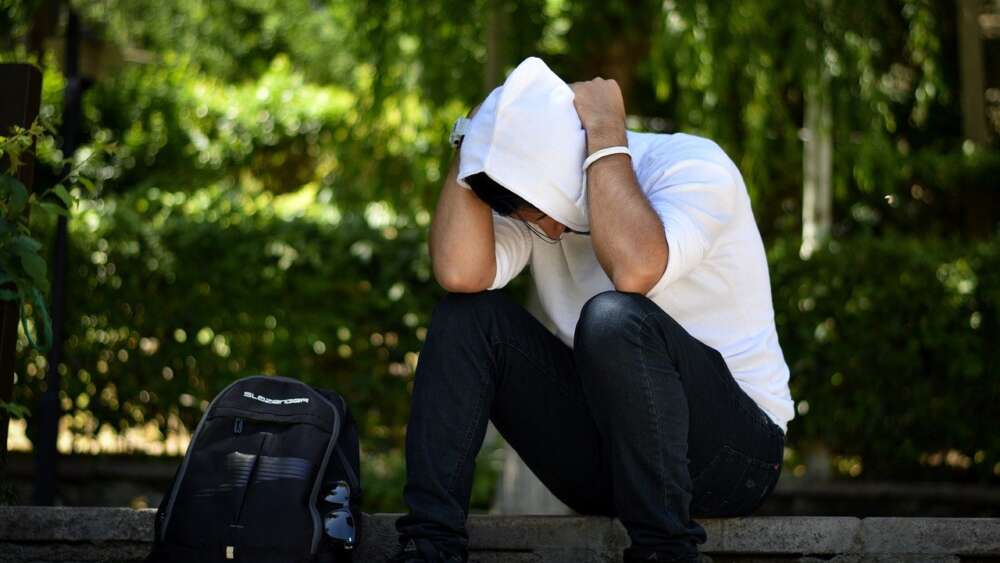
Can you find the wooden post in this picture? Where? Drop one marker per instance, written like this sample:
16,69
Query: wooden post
970,55
20,98
49,409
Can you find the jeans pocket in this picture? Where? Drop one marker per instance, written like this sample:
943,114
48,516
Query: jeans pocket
732,484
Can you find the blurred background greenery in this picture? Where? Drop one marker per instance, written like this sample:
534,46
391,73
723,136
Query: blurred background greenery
277,161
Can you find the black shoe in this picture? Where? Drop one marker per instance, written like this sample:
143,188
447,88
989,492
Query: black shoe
640,555
406,554
410,552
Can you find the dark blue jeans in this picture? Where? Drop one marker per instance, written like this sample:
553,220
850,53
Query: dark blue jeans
639,420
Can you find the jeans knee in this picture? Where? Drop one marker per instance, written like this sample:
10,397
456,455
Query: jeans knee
462,328
607,317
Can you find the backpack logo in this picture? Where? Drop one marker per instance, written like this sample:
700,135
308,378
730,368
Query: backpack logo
271,401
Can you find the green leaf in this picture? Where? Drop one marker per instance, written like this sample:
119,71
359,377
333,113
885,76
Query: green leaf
35,267
43,321
8,295
15,410
17,192
54,208
25,245
62,194
14,156
87,184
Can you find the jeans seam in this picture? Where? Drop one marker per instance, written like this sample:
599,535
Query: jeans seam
470,429
652,407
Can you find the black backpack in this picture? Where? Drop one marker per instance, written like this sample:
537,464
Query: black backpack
262,458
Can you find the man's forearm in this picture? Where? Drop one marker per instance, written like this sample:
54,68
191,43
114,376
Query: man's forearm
628,236
461,238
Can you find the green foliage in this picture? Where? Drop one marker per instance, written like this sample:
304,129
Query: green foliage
221,98
891,343
23,272
14,18
439,48
232,39
173,294
738,71
181,129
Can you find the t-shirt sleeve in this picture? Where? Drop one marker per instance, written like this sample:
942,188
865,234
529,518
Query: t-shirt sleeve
513,249
694,199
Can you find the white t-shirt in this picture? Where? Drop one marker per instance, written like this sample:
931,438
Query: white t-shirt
716,283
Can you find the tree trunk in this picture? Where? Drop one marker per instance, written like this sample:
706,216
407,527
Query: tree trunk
494,46
970,54
817,165
43,25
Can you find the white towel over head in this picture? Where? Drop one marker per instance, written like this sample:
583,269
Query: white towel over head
528,138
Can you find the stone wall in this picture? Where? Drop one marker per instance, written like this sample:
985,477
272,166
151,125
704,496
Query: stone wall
139,482
64,535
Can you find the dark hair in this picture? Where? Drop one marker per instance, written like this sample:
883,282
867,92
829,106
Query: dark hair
502,200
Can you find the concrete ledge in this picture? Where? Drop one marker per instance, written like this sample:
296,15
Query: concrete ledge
51,535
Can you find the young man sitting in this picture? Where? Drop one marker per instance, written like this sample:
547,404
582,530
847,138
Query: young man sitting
651,386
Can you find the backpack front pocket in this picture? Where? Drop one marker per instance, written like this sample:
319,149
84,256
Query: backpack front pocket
248,485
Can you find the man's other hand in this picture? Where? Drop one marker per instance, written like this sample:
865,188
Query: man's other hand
599,103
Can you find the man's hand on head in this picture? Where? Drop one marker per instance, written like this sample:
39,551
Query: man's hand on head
601,108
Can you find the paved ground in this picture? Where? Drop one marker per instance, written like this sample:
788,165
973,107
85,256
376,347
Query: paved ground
50,535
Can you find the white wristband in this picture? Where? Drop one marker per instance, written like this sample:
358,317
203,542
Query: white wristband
603,153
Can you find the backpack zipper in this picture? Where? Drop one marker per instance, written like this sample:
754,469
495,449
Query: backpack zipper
250,477
235,529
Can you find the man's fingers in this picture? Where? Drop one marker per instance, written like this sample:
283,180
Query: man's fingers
596,82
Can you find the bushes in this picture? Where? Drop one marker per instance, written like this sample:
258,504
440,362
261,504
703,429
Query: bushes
891,341
172,296
892,344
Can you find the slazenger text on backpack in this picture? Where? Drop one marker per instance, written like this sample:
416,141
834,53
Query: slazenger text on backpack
270,401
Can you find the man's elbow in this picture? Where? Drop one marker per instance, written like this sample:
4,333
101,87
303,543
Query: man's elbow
457,283
640,284
638,280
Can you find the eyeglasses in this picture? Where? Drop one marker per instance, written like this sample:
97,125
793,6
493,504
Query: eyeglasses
538,233
338,521
544,237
